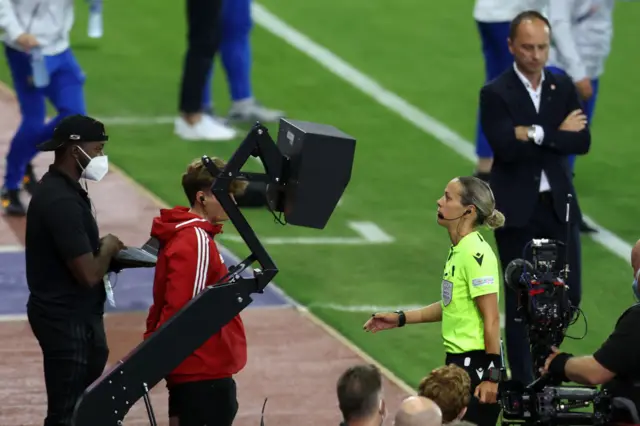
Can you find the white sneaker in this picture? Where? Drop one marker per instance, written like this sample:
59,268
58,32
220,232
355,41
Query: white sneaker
205,129
95,25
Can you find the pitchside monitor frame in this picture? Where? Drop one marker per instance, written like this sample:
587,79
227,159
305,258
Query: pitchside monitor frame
107,401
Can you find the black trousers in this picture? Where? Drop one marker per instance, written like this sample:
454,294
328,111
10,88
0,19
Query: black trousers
204,31
474,363
545,223
74,354
204,403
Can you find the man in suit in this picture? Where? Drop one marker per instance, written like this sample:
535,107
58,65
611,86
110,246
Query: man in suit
533,122
493,18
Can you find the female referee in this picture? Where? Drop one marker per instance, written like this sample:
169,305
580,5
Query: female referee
470,285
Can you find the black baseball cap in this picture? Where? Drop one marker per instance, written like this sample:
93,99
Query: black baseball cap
74,129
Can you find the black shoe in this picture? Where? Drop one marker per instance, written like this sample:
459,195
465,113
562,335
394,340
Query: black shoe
586,229
12,204
29,180
483,175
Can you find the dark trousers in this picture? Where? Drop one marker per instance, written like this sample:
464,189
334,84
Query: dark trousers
474,363
204,31
204,403
75,353
511,242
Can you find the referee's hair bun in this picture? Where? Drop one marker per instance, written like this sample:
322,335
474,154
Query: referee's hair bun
495,220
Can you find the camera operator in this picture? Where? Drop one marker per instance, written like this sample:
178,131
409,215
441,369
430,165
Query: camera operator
616,364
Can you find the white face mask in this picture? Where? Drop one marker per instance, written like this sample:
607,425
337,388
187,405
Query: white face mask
97,167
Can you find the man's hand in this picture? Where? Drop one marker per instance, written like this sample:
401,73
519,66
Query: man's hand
522,133
584,88
575,121
27,41
487,392
554,352
111,244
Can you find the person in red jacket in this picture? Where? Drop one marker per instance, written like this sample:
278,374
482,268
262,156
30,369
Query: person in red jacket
202,390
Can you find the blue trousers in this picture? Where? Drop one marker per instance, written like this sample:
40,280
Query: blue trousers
235,51
589,106
497,59
65,92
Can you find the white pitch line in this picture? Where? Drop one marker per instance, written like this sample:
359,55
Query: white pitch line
13,317
369,234
137,121
11,249
400,106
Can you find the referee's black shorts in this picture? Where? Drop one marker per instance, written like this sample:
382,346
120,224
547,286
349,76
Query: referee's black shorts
75,353
474,363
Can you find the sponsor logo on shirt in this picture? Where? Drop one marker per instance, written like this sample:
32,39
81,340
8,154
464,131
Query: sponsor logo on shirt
479,282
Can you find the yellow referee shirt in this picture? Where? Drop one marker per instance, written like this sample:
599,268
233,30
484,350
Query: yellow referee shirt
471,271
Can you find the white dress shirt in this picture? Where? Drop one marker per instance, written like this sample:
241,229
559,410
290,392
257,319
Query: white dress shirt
535,95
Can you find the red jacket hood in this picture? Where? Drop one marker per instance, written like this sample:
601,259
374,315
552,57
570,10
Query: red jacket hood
176,219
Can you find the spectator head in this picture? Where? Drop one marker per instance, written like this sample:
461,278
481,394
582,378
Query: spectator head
418,411
360,395
197,182
529,39
449,387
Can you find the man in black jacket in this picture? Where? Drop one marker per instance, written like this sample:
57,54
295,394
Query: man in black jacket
66,262
533,122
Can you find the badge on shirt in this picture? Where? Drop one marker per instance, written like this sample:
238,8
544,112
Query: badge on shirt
109,290
447,292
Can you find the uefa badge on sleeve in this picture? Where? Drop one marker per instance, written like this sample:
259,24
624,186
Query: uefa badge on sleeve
447,292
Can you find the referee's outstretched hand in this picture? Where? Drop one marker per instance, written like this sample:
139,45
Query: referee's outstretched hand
381,321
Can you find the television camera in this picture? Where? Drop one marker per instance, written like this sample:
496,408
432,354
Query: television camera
545,308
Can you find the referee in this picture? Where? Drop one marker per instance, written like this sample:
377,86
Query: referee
66,261
470,285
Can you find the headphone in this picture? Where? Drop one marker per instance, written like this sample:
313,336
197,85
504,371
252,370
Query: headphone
456,218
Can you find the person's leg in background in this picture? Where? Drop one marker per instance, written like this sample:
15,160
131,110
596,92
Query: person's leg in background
589,108
204,32
66,94
497,59
510,243
235,52
33,112
65,91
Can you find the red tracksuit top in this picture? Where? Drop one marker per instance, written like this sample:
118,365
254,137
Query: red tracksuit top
189,261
